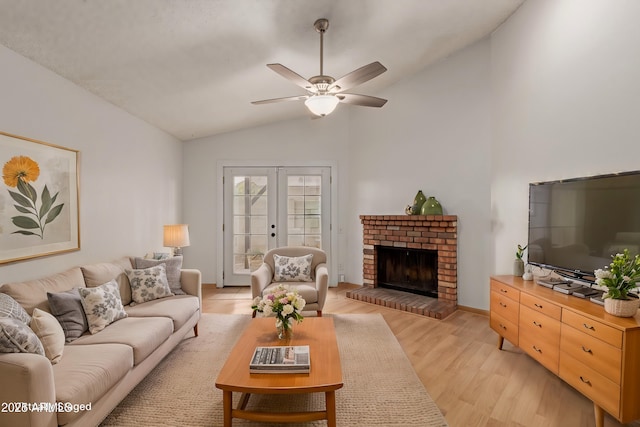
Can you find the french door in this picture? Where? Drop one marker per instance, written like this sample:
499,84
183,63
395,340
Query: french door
269,207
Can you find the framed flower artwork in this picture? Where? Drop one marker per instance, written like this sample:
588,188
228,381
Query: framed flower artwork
39,211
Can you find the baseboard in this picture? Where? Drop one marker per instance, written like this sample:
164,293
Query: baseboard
474,310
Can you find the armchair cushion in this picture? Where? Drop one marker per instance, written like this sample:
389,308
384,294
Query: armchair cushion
292,269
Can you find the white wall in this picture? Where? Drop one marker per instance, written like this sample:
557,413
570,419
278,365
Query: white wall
300,141
566,90
130,172
433,135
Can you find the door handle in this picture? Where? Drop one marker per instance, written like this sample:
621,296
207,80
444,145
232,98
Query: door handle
273,234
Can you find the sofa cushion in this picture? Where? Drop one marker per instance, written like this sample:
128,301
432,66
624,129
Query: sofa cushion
33,293
87,372
10,308
307,291
67,308
292,269
179,308
16,337
148,284
101,273
143,334
172,265
102,305
50,334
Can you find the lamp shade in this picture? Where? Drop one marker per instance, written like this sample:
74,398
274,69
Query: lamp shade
176,236
321,105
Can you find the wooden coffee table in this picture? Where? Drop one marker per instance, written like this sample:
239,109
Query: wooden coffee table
325,376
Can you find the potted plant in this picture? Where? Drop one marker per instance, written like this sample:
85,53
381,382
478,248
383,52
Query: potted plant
518,263
620,278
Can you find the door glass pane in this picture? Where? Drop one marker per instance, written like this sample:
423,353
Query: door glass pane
303,210
249,222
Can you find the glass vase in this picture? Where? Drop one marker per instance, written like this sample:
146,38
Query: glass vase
284,329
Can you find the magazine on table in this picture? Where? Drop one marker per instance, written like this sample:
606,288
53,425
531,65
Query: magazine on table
281,360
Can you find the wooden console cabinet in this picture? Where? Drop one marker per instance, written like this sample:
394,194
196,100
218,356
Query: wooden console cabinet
596,353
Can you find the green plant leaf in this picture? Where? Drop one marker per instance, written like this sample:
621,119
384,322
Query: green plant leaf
28,190
26,233
46,202
22,210
55,211
24,222
20,199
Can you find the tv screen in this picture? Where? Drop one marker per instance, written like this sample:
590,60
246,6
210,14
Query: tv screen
575,225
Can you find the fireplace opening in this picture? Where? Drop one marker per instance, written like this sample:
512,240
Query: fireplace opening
410,270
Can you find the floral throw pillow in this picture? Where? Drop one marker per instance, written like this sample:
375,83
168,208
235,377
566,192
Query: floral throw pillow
11,308
102,305
149,283
292,269
17,337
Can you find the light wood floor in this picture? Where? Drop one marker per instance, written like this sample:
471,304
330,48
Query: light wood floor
473,383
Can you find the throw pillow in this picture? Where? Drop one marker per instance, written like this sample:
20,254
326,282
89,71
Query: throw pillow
172,265
50,333
102,305
292,269
149,284
17,337
67,308
11,308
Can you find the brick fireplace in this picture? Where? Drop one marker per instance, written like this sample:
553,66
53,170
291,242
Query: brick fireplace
429,232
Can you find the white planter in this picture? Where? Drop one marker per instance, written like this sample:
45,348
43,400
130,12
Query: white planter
622,307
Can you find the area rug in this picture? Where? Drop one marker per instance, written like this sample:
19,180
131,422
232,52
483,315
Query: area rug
380,386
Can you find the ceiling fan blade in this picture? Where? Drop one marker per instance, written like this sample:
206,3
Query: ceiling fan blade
363,100
288,98
359,76
292,76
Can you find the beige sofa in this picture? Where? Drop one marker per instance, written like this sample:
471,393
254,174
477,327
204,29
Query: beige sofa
100,369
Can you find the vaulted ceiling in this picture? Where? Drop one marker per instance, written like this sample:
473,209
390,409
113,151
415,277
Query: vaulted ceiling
192,67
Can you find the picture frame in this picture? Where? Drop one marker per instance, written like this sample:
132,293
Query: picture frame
39,207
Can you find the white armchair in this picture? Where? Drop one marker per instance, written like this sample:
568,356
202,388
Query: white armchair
314,292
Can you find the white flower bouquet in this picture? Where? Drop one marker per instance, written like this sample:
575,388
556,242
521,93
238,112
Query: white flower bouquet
283,303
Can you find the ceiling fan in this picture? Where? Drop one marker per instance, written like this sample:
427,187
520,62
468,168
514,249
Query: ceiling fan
324,92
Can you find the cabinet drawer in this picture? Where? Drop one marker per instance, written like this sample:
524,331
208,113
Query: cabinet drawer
594,353
505,290
545,307
505,307
539,336
593,327
602,391
504,328
547,355
535,324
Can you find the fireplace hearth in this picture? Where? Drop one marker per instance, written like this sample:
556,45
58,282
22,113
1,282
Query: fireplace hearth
429,233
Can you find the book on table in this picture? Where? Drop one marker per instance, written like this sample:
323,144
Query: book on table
280,360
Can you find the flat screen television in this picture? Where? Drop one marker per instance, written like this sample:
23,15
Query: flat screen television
576,225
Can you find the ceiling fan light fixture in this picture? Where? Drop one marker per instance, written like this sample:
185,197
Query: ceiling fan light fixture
321,105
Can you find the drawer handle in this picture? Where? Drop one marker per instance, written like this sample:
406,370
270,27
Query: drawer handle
504,291
538,305
587,350
587,382
589,327
503,305
539,325
536,349
503,327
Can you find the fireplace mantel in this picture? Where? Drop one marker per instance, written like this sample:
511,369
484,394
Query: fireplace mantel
433,232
